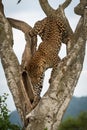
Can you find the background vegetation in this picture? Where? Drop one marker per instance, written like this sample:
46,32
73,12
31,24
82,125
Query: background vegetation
79,123
5,124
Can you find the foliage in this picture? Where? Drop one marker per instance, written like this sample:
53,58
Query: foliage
82,121
5,124
45,129
79,123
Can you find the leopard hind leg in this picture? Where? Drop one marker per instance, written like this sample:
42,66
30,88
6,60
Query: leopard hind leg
37,91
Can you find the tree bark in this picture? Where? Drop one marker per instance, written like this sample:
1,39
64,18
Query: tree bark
12,69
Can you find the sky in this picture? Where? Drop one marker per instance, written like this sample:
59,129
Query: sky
30,12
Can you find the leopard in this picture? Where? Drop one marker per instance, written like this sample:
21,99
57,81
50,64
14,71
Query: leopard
53,32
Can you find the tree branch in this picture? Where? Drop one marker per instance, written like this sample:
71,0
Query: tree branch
48,10
66,4
1,7
12,69
85,23
30,48
24,27
79,9
31,42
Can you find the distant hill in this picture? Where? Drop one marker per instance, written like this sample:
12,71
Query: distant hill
15,118
76,106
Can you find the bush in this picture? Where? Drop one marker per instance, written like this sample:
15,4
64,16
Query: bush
5,124
69,124
79,123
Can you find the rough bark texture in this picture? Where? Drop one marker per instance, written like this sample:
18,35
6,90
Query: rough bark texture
50,110
12,68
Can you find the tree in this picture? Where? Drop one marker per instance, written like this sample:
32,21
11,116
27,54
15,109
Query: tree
69,124
82,119
49,111
78,123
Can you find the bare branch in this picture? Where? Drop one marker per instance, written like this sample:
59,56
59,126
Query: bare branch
81,29
66,4
79,9
1,7
85,23
48,10
19,25
31,42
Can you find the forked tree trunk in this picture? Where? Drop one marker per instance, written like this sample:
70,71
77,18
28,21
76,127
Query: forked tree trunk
49,112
